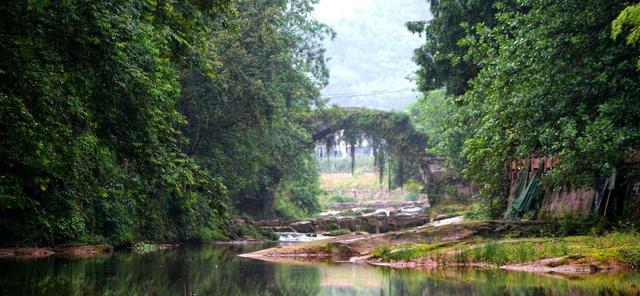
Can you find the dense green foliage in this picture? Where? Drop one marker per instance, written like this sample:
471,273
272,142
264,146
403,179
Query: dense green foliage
436,115
89,145
398,147
547,79
247,122
628,22
442,58
132,120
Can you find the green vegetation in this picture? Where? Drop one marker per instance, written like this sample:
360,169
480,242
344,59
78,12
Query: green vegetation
406,252
337,232
478,211
498,254
346,182
356,212
141,121
248,232
618,246
133,121
216,270
366,184
143,248
628,23
505,80
413,186
341,198
449,210
398,148
343,164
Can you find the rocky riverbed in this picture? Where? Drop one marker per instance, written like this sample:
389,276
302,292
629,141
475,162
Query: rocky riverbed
510,245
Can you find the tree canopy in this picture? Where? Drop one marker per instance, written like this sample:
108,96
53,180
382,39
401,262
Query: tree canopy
136,120
396,143
547,79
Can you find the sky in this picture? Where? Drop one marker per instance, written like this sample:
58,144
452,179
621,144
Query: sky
370,60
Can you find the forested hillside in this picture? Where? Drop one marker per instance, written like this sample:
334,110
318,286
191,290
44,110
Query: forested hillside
154,120
506,80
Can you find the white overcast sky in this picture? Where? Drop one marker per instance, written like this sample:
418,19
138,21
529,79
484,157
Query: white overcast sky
372,51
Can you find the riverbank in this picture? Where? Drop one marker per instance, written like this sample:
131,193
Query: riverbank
39,252
88,250
510,245
215,269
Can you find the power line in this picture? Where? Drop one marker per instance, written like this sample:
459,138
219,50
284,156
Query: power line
366,94
360,92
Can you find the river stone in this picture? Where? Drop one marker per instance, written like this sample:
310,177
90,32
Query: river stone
303,226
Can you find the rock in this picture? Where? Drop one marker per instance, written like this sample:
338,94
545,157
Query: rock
303,226
33,252
85,250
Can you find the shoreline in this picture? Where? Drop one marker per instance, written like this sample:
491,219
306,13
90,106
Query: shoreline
463,244
91,250
80,251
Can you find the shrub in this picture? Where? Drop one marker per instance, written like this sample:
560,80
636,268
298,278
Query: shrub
577,224
630,256
412,186
478,211
341,198
410,197
247,231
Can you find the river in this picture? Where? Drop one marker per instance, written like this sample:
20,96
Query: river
217,270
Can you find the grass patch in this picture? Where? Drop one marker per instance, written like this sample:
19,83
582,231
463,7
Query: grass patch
341,198
406,252
450,210
503,252
347,181
623,247
337,232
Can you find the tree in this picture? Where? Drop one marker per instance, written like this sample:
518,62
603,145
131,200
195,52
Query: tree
247,117
89,140
550,81
628,22
442,58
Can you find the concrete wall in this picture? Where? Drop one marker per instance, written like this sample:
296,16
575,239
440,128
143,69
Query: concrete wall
574,200
556,204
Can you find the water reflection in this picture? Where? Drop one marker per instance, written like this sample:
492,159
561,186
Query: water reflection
216,270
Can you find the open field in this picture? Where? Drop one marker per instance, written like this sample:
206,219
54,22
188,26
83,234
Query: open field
362,187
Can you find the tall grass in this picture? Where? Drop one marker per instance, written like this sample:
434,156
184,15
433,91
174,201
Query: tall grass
500,253
406,252
623,247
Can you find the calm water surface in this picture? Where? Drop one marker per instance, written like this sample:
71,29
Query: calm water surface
216,270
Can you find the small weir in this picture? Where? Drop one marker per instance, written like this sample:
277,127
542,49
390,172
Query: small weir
293,237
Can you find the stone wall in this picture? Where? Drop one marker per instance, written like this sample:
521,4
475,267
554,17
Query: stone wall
556,204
